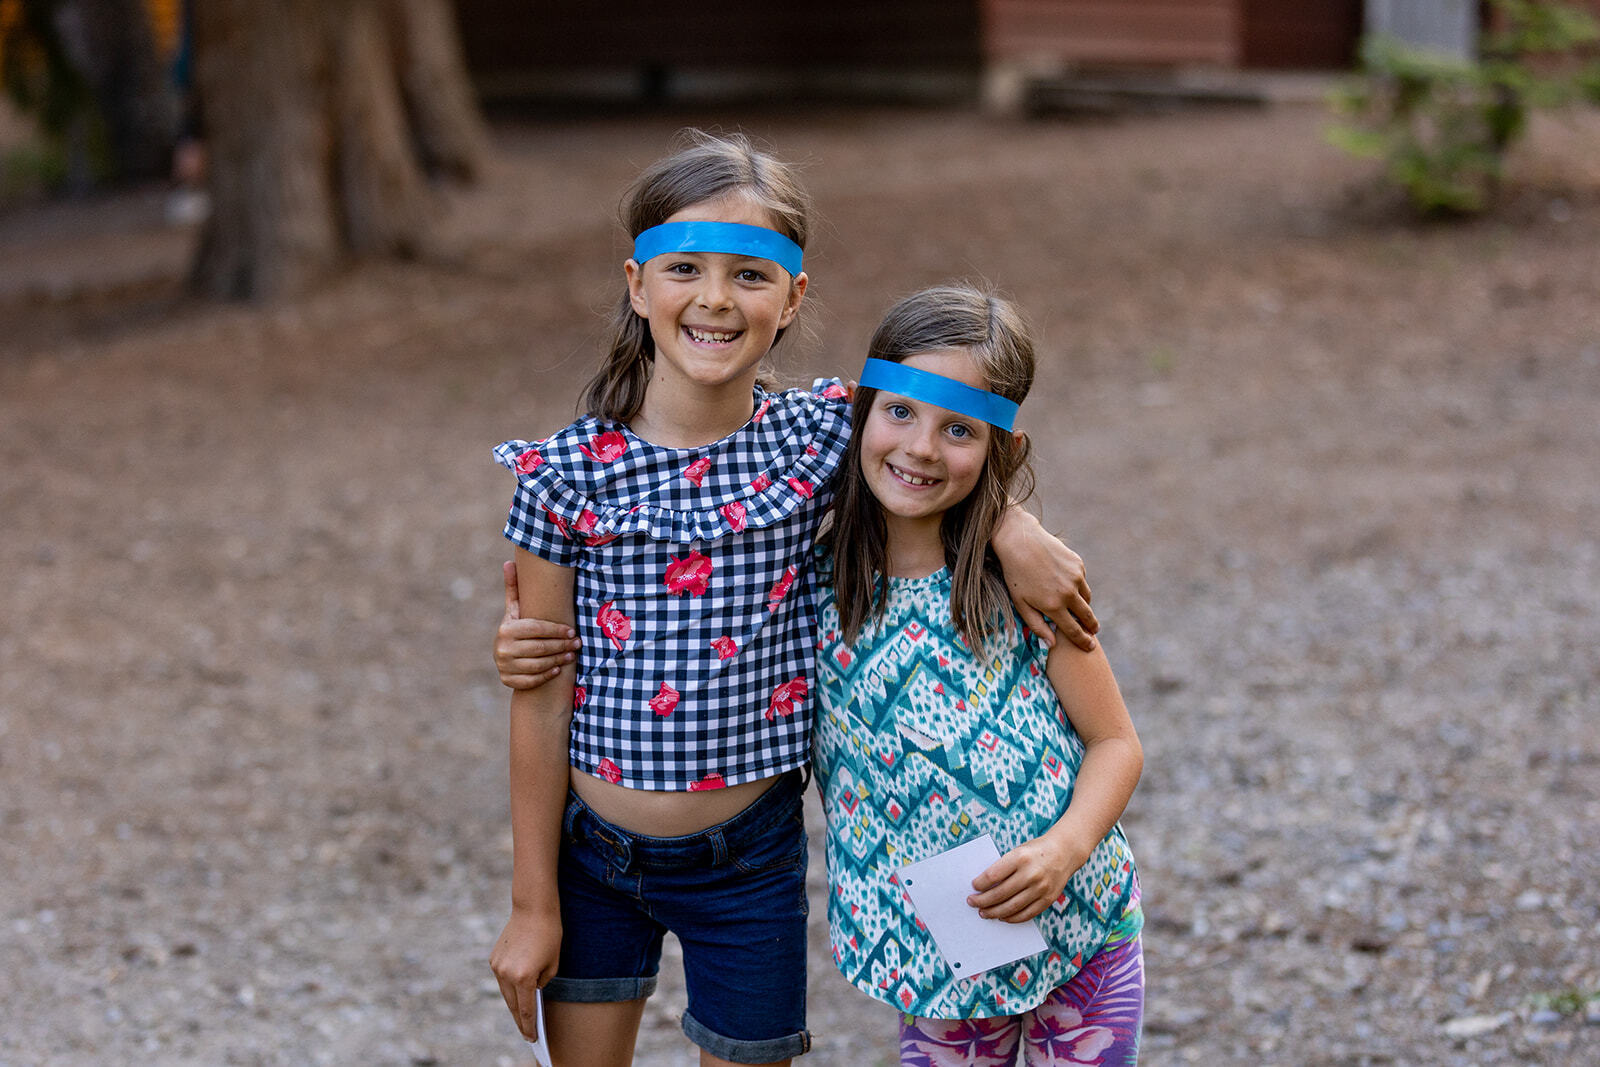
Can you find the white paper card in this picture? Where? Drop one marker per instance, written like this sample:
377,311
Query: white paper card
970,944
541,1048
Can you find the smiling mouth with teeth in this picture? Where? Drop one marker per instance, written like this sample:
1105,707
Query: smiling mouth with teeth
712,336
911,479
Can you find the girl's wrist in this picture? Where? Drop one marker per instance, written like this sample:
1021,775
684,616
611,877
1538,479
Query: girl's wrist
1070,850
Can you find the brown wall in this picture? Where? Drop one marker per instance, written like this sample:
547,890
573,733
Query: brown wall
510,35
1303,34
506,38
1113,32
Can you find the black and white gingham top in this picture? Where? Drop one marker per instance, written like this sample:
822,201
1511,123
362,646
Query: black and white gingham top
693,587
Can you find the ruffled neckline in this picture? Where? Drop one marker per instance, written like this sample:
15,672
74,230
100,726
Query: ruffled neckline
798,467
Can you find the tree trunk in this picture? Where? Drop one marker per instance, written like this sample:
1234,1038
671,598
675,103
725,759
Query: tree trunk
318,133
444,115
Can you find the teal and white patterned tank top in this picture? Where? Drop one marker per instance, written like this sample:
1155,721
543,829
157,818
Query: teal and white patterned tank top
920,747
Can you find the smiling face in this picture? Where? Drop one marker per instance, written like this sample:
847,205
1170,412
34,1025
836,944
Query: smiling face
920,460
713,315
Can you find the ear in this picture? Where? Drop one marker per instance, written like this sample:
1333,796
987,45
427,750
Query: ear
797,293
635,275
1019,439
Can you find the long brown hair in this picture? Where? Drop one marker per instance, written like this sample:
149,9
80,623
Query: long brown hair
993,332
705,167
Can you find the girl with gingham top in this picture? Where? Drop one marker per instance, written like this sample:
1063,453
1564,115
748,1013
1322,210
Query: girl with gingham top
656,779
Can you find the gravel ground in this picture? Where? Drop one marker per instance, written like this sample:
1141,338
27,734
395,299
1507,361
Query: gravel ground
1334,476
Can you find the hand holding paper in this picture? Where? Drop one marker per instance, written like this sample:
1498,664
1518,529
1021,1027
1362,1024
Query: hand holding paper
970,944
1025,881
540,1046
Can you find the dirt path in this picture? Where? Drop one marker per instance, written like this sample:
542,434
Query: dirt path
1335,481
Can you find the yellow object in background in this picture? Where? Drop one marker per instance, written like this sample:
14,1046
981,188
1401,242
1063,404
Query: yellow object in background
166,18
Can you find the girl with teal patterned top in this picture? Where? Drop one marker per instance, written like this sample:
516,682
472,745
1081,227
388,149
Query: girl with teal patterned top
941,718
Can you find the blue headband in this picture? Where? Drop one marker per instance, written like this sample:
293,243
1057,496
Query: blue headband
733,238
939,391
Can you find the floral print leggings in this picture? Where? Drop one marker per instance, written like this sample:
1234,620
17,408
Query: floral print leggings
1093,1019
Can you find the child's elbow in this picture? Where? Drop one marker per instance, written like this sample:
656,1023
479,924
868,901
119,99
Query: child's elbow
1135,757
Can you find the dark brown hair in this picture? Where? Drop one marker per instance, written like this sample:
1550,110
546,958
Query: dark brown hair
993,332
707,166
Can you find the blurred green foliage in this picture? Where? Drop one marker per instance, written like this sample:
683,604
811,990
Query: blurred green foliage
1442,125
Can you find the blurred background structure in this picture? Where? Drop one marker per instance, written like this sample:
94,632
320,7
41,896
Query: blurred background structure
303,134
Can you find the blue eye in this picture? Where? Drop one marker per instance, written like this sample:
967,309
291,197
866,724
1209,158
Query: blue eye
898,411
960,430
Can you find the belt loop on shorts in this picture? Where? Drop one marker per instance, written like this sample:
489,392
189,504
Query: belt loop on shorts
569,818
621,851
719,847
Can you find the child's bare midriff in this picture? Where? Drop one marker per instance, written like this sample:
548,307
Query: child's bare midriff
665,814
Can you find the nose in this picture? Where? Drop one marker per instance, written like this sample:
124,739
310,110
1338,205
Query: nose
922,442
715,291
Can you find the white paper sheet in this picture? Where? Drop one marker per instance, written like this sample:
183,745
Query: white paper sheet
970,944
541,1049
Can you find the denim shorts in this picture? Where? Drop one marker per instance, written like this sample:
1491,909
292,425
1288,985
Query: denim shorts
734,895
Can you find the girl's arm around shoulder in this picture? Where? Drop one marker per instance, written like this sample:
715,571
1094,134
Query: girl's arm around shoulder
1046,579
525,956
1023,882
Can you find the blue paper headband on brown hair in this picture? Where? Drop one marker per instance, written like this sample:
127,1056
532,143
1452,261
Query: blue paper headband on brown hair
939,391
734,238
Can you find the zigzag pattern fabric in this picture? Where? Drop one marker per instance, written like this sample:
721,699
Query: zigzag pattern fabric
920,747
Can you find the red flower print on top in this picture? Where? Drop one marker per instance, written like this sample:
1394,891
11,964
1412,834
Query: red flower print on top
714,780
725,646
579,695
780,588
734,512
762,482
529,461
586,523
614,624
787,697
688,575
761,412
663,702
605,447
835,391
610,771
695,471
801,487
812,450
561,523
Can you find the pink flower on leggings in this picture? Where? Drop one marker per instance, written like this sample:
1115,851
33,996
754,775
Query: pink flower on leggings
931,1042
1067,1040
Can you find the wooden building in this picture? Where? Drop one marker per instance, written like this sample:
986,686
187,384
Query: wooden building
630,49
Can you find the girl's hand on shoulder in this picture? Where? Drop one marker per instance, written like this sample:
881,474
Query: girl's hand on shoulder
1025,881
1047,580
529,652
